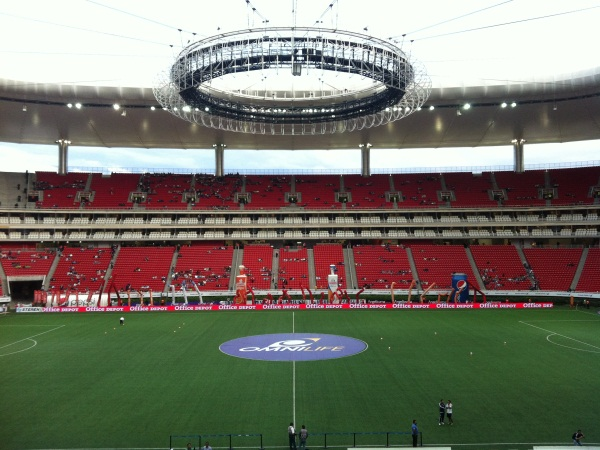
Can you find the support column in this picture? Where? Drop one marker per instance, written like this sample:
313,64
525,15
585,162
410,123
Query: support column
365,159
219,158
63,150
519,160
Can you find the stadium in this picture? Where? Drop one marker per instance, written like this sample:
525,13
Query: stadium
170,308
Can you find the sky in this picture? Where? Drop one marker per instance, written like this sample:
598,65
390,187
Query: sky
461,43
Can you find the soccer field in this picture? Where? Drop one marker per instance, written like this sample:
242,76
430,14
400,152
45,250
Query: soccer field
516,378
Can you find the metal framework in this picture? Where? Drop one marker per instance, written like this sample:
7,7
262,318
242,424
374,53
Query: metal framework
395,86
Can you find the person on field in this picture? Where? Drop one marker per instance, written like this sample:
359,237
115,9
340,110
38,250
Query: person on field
449,412
292,436
414,431
303,437
577,437
442,407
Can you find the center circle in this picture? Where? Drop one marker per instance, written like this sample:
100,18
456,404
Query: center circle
293,347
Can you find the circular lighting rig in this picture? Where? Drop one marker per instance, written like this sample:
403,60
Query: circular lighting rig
292,81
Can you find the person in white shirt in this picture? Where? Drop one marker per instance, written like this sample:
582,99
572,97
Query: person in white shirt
449,412
292,436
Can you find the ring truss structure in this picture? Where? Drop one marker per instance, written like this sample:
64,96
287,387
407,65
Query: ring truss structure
195,87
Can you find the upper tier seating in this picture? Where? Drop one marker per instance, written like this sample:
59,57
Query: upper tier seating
207,264
318,191
573,185
60,191
113,191
521,188
258,261
377,266
418,190
267,191
368,192
216,192
437,263
470,190
500,267
553,268
165,191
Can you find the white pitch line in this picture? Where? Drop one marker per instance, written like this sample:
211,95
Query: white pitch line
35,335
558,334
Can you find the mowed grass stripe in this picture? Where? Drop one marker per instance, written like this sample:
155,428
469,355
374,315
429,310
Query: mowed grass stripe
94,383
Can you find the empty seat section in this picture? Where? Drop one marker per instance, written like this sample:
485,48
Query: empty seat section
293,268
113,191
437,263
470,190
418,190
258,260
142,268
324,256
553,268
521,188
573,185
267,191
81,269
377,266
589,281
368,192
60,191
206,264
500,267
318,191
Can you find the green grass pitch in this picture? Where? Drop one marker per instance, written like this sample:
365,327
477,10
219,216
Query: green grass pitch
72,381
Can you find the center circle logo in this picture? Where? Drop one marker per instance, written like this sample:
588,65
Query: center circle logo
293,347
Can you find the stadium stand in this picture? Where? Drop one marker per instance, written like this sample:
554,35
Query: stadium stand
59,191
418,190
142,268
522,189
436,264
573,186
318,191
23,263
113,191
470,189
325,255
293,268
589,280
81,269
166,191
368,192
500,267
267,192
258,260
208,265
377,266
553,268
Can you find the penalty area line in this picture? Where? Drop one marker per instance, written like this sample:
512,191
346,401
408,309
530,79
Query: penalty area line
31,337
561,335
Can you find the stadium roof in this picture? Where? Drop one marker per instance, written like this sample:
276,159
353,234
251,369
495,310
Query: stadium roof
482,53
